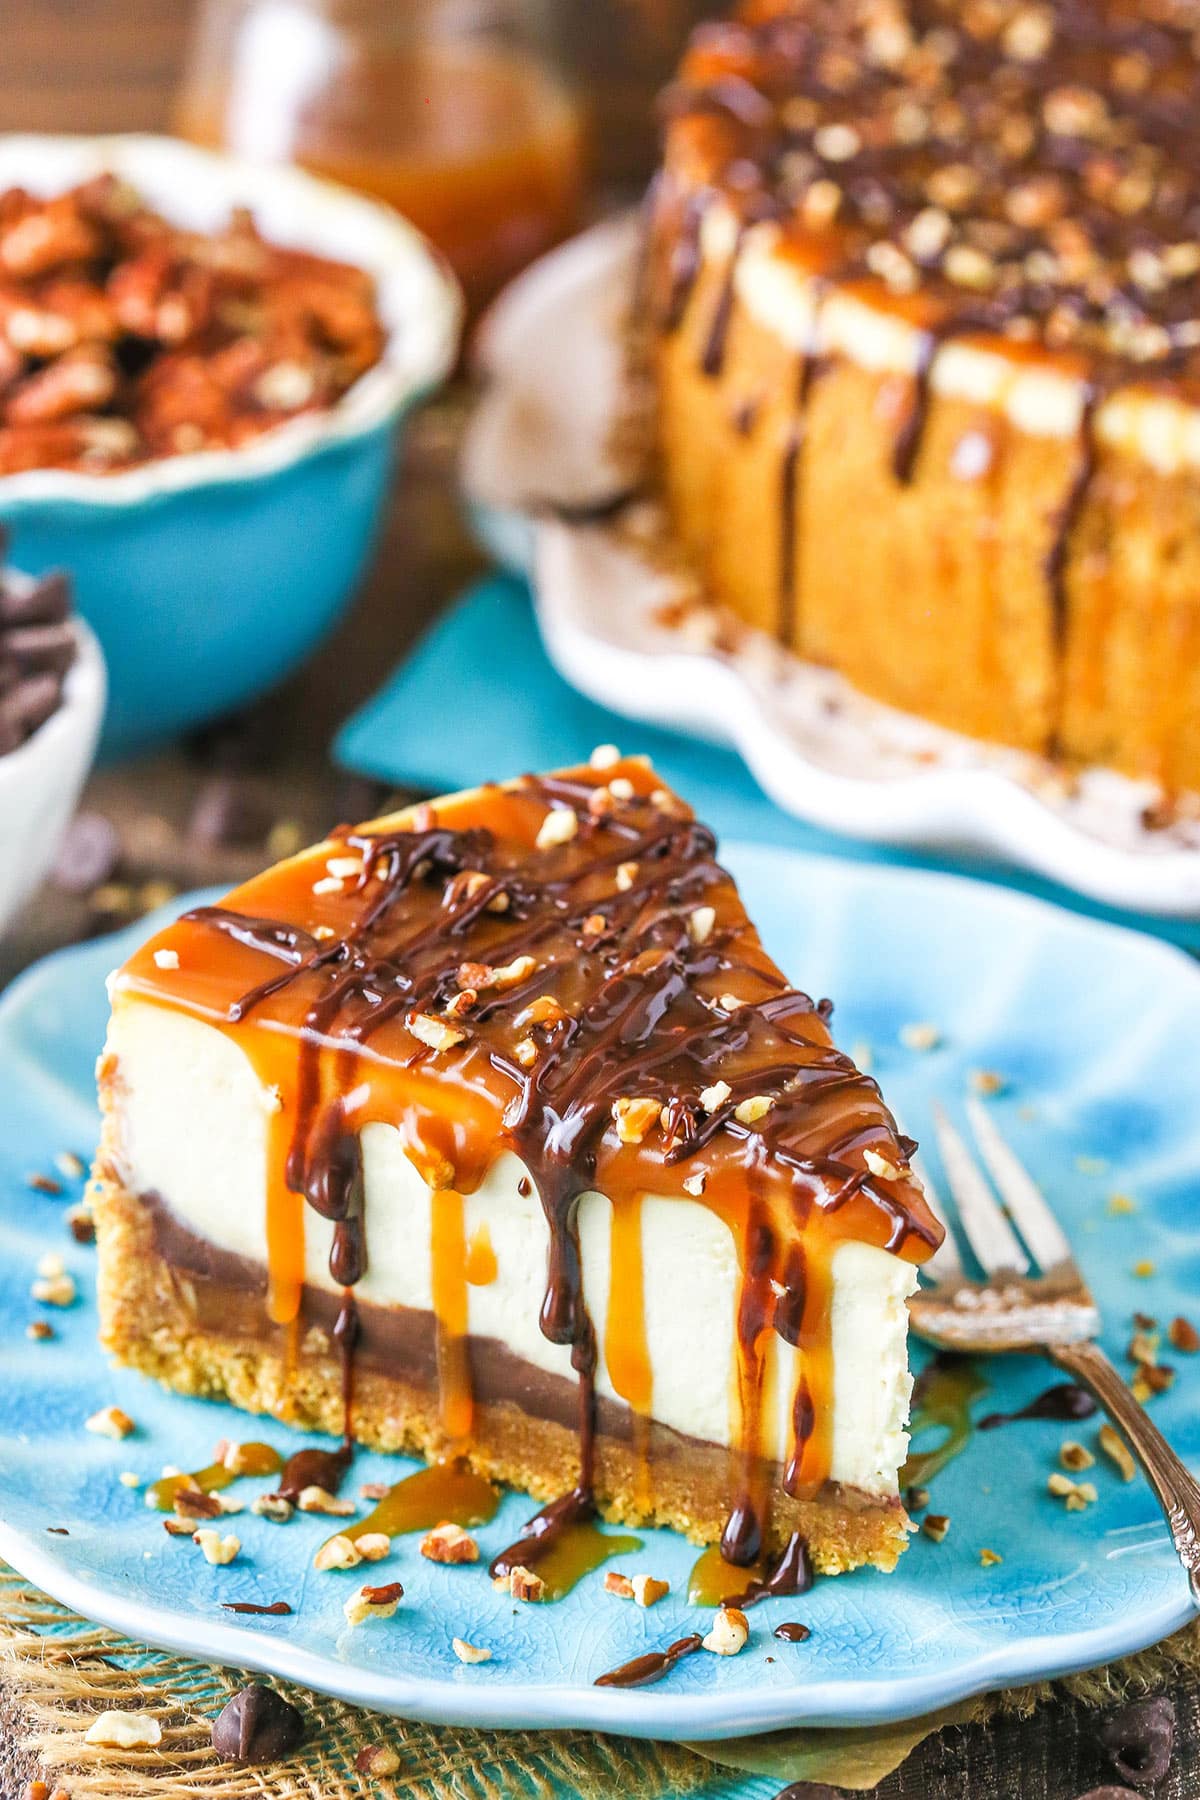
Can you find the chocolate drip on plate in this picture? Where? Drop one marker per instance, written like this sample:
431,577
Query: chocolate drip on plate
792,1632
315,1468
1065,1401
651,1667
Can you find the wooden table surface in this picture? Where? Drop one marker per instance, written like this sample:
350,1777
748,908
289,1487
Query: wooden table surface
93,65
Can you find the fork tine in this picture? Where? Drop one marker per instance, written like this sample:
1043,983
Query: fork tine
945,1261
988,1231
1044,1237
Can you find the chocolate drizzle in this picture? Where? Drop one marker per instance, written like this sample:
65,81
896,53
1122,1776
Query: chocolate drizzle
790,1573
315,1468
790,471
1058,556
484,993
545,1530
684,262
712,360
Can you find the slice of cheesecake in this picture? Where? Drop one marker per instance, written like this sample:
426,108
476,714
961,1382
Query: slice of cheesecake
490,1130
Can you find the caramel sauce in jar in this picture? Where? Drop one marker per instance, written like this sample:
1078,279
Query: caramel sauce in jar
457,120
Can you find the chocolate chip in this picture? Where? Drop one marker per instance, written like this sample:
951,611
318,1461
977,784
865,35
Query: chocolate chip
257,1726
44,602
360,797
227,814
236,744
27,706
1139,1738
90,854
38,649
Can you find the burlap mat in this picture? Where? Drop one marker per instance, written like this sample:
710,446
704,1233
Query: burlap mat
58,1672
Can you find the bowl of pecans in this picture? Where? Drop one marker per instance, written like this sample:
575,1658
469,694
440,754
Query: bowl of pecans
203,365
51,700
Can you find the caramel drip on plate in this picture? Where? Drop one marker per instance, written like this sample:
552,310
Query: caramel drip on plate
253,1459
715,1580
560,969
445,1491
562,1544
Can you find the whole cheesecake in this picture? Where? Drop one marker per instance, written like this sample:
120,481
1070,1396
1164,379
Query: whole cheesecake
922,297
490,1130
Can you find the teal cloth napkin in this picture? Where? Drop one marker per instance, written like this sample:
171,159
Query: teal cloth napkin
478,698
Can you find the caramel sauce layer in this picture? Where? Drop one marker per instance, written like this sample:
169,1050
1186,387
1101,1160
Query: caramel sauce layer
557,967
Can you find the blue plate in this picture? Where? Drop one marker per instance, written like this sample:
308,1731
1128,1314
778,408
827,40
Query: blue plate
1095,1029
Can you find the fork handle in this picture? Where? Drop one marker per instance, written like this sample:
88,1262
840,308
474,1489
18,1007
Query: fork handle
1176,1490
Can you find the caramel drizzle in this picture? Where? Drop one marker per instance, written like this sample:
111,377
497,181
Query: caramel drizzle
631,1004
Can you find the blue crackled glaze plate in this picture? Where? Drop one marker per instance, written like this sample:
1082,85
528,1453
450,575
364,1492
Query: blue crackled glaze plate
1096,1030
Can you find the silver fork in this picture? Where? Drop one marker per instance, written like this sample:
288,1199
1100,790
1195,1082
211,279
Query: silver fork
1034,1299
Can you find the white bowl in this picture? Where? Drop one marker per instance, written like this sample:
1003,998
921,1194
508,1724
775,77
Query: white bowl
41,781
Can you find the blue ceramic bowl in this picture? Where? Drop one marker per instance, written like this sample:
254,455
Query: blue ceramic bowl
207,578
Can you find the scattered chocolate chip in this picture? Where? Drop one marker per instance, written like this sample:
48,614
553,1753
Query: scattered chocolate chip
1138,1739
257,1726
236,744
24,707
90,854
40,649
228,815
44,602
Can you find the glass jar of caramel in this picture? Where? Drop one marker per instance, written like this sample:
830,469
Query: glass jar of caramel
453,111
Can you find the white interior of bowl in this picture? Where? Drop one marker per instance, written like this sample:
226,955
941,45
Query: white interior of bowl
418,299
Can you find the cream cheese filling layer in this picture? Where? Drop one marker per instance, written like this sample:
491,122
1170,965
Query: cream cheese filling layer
193,1129
1044,401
